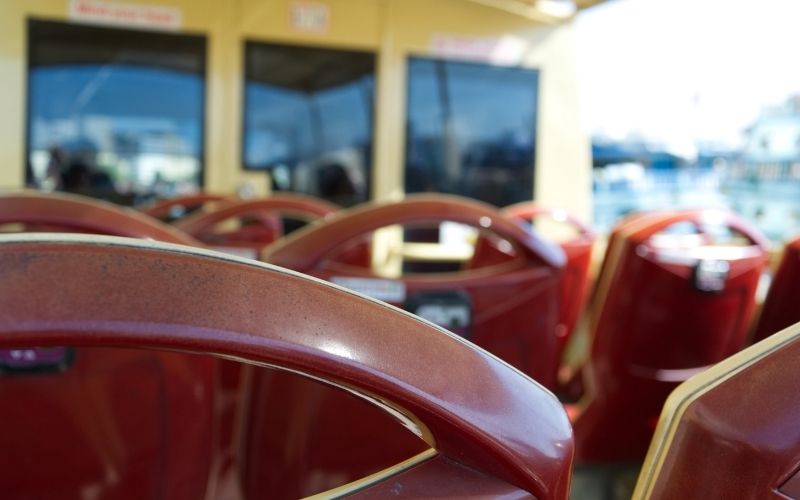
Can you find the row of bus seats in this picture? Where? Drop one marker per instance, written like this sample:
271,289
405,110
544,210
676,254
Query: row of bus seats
730,432
240,227
84,404
149,421
178,207
492,290
448,300
674,295
500,288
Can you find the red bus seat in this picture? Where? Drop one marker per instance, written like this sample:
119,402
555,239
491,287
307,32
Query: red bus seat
578,250
509,308
490,428
780,307
50,212
100,422
305,437
259,221
178,207
112,423
571,376
666,306
731,432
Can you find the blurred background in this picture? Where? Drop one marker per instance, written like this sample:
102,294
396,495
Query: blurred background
692,103
602,107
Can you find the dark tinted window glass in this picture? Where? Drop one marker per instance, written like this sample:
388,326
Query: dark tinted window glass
471,130
308,119
114,113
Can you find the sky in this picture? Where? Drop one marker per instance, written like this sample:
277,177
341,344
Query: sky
681,71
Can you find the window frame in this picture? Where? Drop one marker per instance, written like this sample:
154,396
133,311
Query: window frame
199,37
250,41
537,99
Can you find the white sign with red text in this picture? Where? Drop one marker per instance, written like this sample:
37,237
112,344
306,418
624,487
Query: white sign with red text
156,17
310,17
385,290
507,50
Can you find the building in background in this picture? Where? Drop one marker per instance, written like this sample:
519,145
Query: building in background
685,111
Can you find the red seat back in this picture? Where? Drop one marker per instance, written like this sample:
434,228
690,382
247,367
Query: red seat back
513,311
116,423
305,437
113,423
780,307
578,250
175,208
512,306
48,212
665,307
489,426
259,221
731,432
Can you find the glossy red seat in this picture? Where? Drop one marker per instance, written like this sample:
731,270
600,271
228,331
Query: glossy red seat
780,307
110,423
571,373
82,396
665,307
509,307
731,432
259,221
33,211
305,437
172,209
494,432
578,250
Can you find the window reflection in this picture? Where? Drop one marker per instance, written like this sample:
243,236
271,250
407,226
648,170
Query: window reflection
114,113
308,119
471,130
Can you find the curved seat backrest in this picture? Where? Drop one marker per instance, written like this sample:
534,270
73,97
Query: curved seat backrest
731,432
665,308
780,307
509,308
50,212
578,250
611,255
512,306
472,408
305,437
259,220
175,208
126,423
104,409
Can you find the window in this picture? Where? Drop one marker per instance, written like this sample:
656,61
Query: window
471,130
308,119
114,113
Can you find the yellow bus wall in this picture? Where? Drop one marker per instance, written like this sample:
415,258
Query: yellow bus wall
393,29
